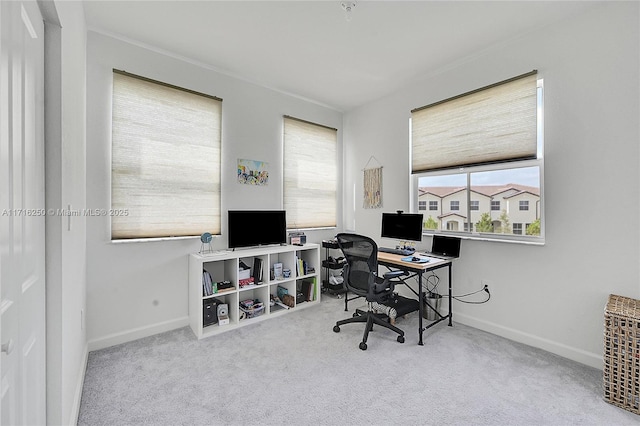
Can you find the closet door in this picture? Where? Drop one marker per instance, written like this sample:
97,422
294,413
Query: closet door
22,215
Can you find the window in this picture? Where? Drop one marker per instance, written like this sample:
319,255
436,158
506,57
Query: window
517,228
310,174
484,149
165,167
422,205
433,205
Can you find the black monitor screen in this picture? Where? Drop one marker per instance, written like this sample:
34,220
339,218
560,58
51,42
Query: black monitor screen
402,226
257,227
446,246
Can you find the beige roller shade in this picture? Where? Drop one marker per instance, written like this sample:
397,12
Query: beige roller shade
489,125
310,174
165,160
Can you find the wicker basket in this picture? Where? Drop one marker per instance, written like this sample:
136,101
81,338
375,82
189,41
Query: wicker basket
621,376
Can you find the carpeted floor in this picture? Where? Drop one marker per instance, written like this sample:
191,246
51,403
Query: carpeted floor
295,370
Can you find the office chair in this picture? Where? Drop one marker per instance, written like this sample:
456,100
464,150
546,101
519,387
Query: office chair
360,277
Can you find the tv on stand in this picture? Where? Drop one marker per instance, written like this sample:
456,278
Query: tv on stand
252,228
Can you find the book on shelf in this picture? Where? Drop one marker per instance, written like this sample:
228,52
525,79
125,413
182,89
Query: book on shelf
309,289
277,271
207,285
301,267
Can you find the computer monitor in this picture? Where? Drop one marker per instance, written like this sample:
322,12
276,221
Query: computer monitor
402,226
445,246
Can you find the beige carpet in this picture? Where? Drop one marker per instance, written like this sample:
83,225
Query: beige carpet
295,370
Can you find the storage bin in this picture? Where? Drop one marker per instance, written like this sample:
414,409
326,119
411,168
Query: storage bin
254,311
621,375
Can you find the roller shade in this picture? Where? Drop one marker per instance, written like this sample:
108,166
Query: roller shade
165,171
310,174
493,124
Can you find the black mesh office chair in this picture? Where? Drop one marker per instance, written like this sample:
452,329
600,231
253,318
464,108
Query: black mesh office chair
360,277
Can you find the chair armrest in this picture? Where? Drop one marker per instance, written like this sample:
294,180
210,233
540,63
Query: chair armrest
394,274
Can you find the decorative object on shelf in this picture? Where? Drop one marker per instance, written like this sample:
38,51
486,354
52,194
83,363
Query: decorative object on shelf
205,246
244,271
289,300
223,314
252,172
372,186
297,238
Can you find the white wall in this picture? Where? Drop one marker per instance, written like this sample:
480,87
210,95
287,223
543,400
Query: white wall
65,59
551,296
138,289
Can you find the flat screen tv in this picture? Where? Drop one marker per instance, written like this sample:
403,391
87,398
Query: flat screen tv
248,228
402,226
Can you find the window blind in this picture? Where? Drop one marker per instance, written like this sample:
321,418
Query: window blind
493,124
310,174
165,169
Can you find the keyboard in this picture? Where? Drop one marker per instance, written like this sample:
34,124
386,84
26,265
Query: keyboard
401,252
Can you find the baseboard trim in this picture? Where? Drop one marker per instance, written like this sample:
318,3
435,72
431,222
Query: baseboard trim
588,358
77,398
136,333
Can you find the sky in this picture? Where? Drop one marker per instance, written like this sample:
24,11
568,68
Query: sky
524,176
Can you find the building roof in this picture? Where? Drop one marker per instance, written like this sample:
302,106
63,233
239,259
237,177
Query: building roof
488,190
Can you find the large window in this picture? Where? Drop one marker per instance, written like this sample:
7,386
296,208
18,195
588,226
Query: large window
165,160
310,174
481,154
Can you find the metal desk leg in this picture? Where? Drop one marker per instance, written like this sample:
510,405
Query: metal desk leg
450,297
421,310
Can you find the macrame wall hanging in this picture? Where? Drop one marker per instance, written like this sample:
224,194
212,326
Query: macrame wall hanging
372,185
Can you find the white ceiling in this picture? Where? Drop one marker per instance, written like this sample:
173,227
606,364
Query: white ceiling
309,49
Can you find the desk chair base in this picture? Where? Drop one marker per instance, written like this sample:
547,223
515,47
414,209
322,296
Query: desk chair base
370,318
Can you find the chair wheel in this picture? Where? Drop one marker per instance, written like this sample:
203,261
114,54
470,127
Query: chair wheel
401,339
363,346
336,329
355,315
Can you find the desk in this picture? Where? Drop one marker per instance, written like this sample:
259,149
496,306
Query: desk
393,261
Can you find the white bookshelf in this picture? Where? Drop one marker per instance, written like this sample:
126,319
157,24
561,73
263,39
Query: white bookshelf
224,266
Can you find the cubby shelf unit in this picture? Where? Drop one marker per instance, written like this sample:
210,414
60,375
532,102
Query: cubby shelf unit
224,266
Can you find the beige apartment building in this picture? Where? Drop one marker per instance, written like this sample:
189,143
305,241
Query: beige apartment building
447,207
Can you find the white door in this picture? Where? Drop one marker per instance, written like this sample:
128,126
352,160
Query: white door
22,287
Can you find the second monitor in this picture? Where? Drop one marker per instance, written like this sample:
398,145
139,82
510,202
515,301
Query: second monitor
402,226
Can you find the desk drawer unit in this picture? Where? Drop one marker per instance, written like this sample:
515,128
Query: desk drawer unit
621,376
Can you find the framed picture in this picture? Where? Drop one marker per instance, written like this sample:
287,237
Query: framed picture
253,172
